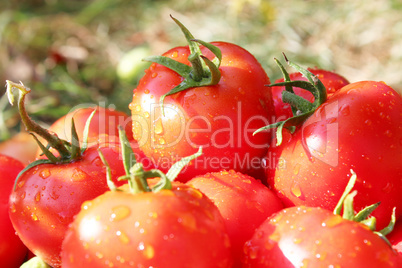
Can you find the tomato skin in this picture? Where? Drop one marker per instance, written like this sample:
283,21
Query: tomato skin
104,123
170,228
219,118
48,196
12,250
358,128
315,237
21,146
243,201
331,80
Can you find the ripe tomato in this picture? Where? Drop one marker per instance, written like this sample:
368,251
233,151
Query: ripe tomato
331,80
315,237
48,196
180,227
104,121
243,201
221,118
12,250
358,128
21,146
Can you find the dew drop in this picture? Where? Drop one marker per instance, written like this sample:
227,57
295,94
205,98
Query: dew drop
252,253
388,133
194,192
332,221
158,127
120,213
123,237
34,217
344,110
20,184
78,174
23,195
44,174
296,169
13,209
37,197
295,190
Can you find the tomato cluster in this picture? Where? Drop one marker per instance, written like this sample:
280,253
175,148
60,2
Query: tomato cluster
215,167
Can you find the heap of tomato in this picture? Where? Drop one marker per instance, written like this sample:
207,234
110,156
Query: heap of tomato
250,199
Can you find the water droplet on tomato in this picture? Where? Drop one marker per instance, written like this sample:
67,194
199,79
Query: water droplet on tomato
20,184
194,192
344,110
158,127
162,141
120,213
297,240
37,196
332,221
79,174
296,169
23,195
252,253
44,174
388,133
295,190
34,217
368,122
99,255
123,238
12,208
388,188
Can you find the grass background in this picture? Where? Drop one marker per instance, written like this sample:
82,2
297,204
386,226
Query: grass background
69,52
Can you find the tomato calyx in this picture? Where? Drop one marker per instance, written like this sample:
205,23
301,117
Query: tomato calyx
301,108
202,72
67,151
363,216
137,177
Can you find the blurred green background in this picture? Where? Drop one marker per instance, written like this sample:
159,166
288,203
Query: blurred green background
80,51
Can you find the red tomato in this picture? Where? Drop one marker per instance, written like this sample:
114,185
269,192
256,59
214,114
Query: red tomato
104,121
180,227
220,118
21,147
358,128
48,196
12,250
315,237
331,80
243,201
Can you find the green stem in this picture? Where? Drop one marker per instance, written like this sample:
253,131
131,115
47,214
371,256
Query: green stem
32,126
